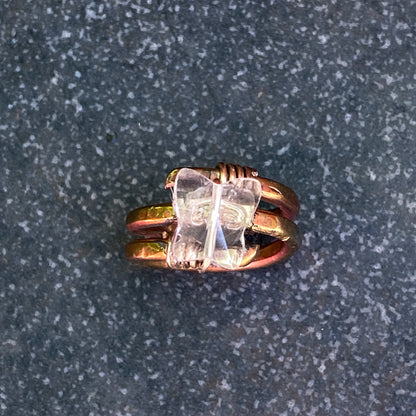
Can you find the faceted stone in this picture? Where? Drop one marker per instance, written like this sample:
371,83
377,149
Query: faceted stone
211,219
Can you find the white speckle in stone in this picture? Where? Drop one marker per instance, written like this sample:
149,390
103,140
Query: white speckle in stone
389,79
283,150
64,260
224,385
379,248
258,52
77,105
12,343
99,151
347,117
351,339
65,34
24,225
386,44
322,367
336,283
372,174
323,39
383,313
325,168
411,206
77,74
342,62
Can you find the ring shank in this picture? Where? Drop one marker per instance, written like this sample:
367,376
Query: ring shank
156,223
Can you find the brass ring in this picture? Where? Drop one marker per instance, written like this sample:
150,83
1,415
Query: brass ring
214,223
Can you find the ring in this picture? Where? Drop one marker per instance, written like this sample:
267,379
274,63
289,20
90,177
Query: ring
214,222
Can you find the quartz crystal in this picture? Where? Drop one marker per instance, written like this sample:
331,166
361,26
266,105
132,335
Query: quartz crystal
211,219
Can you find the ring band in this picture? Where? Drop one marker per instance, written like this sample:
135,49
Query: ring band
271,235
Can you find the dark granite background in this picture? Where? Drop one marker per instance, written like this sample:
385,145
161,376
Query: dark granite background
100,100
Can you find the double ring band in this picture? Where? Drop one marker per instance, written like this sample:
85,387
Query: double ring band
214,223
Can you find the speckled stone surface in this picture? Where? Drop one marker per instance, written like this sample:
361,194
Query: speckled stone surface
99,100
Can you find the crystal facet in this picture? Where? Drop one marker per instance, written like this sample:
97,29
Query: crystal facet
212,219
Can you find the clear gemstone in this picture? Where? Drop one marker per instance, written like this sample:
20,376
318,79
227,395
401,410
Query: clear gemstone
211,219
